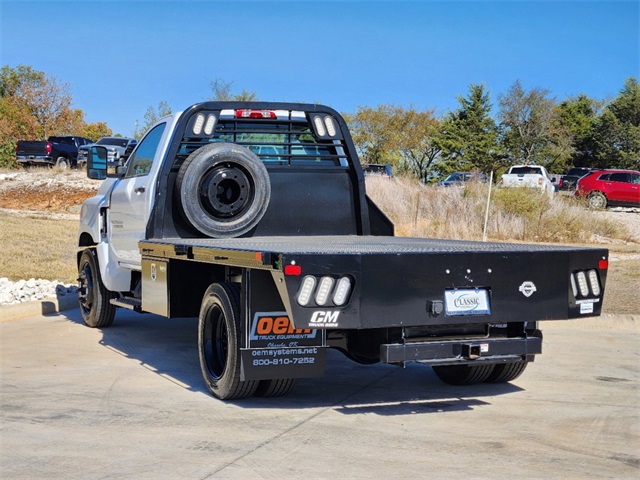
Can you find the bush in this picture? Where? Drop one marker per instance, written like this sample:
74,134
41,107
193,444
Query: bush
8,155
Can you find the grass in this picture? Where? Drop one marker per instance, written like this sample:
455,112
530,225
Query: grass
38,248
514,214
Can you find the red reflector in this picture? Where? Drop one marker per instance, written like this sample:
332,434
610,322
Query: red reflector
255,114
258,256
603,264
292,269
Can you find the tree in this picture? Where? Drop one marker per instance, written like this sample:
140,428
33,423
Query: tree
526,119
151,116
375,134
469,136
417,141
616,135
95,131
221,92
577,117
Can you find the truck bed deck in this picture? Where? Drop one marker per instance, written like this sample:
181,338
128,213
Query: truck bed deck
348,245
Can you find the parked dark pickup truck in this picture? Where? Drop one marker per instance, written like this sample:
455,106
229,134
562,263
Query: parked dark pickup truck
59,151
569,181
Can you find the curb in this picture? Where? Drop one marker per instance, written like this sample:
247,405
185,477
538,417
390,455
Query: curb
46,306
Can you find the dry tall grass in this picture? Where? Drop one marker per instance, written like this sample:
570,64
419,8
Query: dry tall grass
419,210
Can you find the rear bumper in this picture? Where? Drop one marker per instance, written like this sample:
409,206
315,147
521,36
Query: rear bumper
34,159
454,352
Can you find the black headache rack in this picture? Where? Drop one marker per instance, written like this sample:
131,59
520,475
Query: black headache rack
399,282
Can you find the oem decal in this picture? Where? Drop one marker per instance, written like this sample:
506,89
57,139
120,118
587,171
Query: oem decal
528,288
274,330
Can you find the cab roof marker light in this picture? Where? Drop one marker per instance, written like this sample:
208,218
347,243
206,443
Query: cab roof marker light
581,277
306,290
256,114
282,114
197,126
574,287
343,290
594,283
326,285
211,122
298,116
317,121
227,114
331,126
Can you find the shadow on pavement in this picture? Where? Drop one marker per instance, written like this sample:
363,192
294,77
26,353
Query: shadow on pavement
168,347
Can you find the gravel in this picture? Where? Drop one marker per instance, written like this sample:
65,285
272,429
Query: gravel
33,289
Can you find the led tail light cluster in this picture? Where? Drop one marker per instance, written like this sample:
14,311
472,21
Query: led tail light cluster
585,283
324,291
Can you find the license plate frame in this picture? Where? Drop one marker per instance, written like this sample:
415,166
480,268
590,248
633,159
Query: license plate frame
467,301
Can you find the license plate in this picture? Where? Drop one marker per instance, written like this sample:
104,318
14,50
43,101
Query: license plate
467,301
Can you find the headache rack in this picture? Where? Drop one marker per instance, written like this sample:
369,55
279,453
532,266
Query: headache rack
289,141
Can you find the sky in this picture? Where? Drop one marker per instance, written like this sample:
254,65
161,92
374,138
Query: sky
120,57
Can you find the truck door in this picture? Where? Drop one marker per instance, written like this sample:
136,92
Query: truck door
131,201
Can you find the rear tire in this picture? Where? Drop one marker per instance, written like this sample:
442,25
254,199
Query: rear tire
597,200
95,300
463,374
218,342
62,162
506,372
275,388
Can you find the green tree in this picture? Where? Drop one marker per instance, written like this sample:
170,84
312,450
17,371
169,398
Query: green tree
527,123
469,136
616,135
151,116
577,116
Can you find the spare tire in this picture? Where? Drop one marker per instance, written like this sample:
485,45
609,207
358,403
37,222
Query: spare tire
223,190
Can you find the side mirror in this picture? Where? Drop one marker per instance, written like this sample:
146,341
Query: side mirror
97,163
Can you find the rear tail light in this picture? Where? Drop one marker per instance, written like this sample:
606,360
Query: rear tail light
326,285
586,283
325,291
306,290
48,147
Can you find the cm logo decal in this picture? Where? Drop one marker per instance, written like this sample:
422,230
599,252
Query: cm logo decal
324,318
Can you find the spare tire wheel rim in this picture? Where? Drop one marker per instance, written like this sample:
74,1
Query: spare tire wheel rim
226,191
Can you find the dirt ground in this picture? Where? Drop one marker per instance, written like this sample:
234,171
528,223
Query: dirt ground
57,195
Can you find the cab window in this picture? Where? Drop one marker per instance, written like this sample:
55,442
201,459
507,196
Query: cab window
142,158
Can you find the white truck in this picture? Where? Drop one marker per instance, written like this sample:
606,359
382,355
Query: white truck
254,218
531,176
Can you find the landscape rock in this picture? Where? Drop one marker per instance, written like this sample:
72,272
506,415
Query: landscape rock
32,289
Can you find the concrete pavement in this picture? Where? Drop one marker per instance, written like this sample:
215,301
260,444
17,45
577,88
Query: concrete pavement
128,402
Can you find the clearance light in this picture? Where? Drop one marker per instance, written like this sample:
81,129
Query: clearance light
582,284
342,291
255,114
306,290
292,269
211,122
197,126
331,126
603,264
593,281
319,126
326,284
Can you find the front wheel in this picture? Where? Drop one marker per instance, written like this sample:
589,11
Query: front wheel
95,300
218,345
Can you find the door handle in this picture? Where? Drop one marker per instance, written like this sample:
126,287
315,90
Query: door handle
140,190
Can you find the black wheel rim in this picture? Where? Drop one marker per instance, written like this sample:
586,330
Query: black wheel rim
216,343
85,289
226,192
